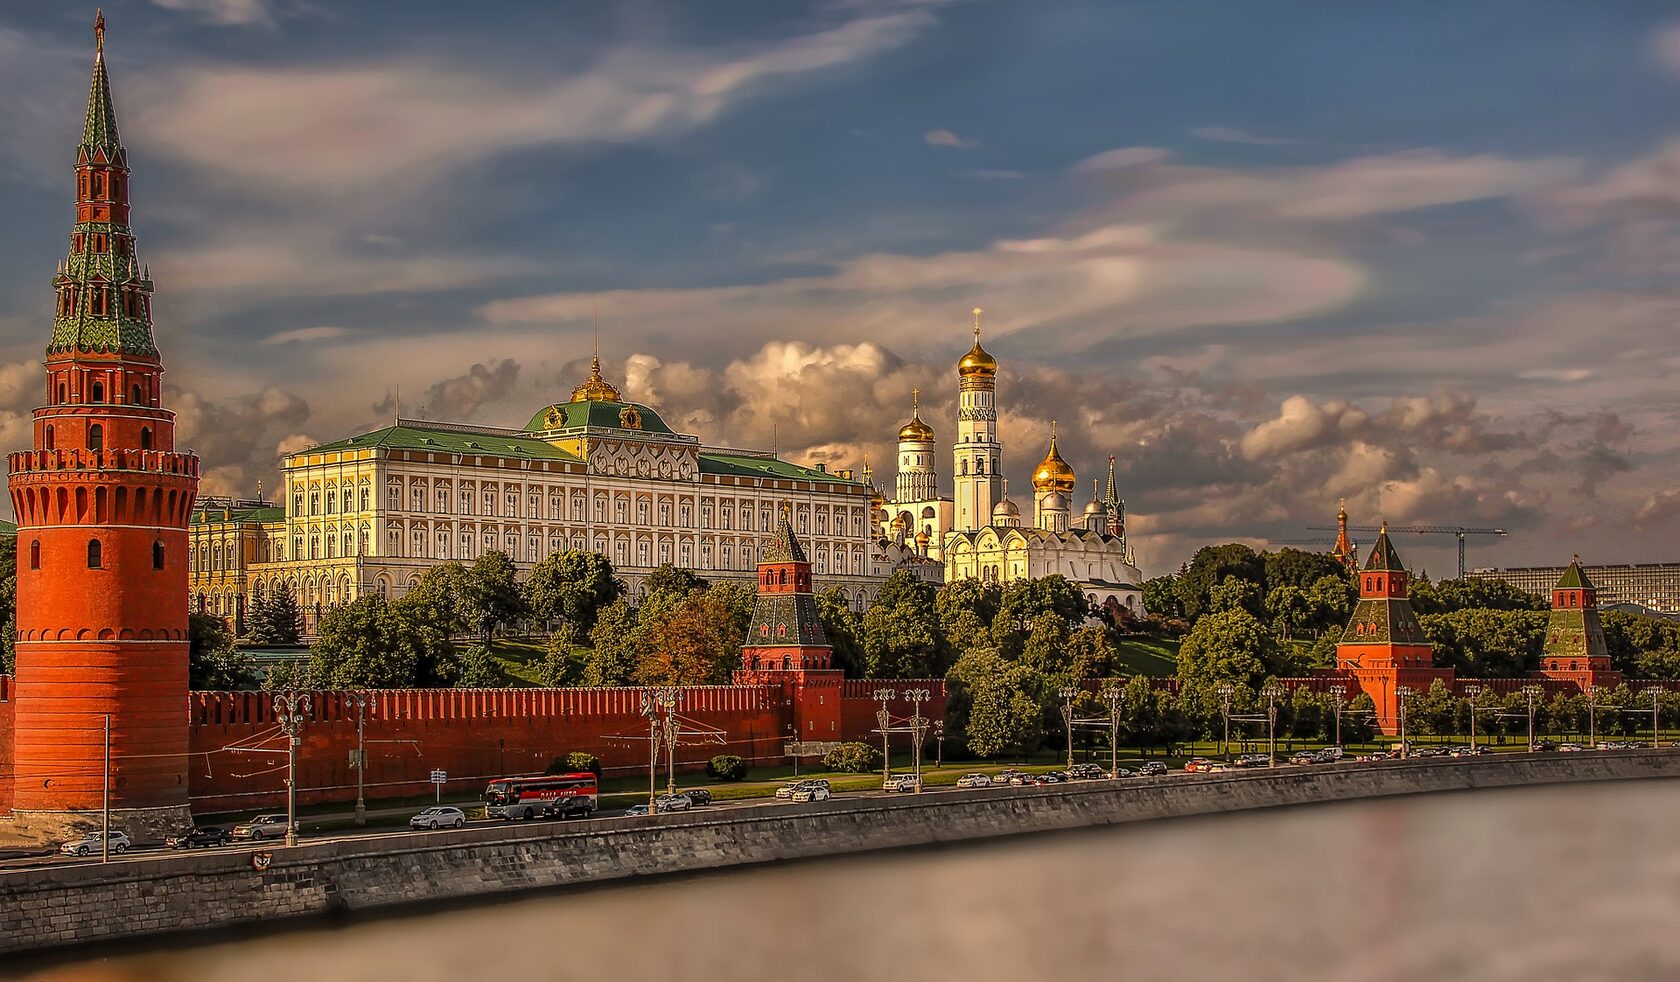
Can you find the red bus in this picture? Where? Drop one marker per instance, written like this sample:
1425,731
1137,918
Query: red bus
558,795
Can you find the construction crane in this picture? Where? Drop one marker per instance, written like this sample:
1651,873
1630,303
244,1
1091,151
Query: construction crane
1458,531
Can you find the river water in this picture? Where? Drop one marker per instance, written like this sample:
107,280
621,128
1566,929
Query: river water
1573,882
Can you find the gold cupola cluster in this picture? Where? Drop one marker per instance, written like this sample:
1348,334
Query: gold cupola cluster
1053,473
915,431
978,361
595,388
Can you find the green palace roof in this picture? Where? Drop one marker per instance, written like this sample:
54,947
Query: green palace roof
213,516
744,465
597,413
448,441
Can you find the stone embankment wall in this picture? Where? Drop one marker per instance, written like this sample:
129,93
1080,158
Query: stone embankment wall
51,907
6,759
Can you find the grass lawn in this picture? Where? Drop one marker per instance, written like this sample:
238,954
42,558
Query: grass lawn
1147,656
519,659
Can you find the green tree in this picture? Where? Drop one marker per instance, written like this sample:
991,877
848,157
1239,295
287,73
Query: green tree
274,618
442,599
695,640
1045,650
675,580
1632,637
1472,594
214,662
1209,568
615,646
572,586
372,644
1160,597
843,626
1332,599
1238,594
1323,652
478,669
995,706
1480,642
1300,569
966,609
901,630
493,596
1227,646
564,660
1289,608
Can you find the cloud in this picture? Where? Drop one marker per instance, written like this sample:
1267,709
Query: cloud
945,138
458,398
1660,507
238,439
224,12
1225,134
301,334
1665,48
1120,158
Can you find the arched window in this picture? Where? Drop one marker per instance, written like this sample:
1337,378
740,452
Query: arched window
157,555
98,391
61,393
35,554
135,397
49,437
145,438
95,554
96,437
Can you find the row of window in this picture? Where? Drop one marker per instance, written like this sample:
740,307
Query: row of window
139,392
96,438
95,554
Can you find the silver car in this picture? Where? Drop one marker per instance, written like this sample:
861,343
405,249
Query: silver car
261,827
90,844
673,803
974,781
814,791
440,816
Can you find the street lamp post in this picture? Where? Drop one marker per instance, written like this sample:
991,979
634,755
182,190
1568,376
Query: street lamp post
1592,717
884,718
1472,691
1339,691
650,709
939,743
1112,696
1068,694
105,800
1402,692
1226,691
359,700
1657,693
290,708
1271,692
918,727
1531,693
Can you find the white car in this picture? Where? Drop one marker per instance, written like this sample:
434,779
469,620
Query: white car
974,781
90,845
786,791
261,827
438,817
813,792
908,783
673,803
1006,777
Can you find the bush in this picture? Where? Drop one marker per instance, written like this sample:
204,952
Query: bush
726,767
574,763
853,758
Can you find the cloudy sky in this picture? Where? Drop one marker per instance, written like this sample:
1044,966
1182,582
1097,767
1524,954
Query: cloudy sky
1422,256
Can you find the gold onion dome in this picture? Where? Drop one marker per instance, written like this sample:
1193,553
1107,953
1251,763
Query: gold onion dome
978,361
595,388
915,431
1053,473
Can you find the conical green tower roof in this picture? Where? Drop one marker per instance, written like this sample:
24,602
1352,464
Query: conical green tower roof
1384,558
1574,578
785,547
100,129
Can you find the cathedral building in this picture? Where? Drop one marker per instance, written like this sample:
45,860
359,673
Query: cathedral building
979,532
369,514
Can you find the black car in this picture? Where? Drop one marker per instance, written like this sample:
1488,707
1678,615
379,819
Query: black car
1085,772
700,796
1545,746
209,835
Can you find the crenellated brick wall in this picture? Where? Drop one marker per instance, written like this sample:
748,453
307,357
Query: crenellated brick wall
5,743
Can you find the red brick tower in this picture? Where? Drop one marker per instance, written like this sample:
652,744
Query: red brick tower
102,503
786,644
1383,646
1575,650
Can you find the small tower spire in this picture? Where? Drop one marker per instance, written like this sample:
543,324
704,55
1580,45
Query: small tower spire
99,32
977,312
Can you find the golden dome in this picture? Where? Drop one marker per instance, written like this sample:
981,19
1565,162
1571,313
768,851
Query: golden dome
595,388
978,361
915,431
1053,473
900,522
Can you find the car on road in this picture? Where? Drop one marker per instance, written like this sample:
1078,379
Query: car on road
813,791
1049,777
88,845
786,791
1120,772
1086,772
1332,753
439,817
699,796
673,803
1545,746
1468,751
1217,767
974,781
1570,748
905,783
1306,757
1253,760
1008,777
199,837
261,827
1196,764
635,810
1152,768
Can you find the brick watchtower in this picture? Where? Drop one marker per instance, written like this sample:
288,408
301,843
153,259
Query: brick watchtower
1384,646
1575,649
786,644
102,503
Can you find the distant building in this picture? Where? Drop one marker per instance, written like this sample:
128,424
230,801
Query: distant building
1652,585
228,536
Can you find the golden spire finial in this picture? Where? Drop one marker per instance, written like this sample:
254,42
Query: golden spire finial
99,32
1385,526
916,402
1052,431
977,312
